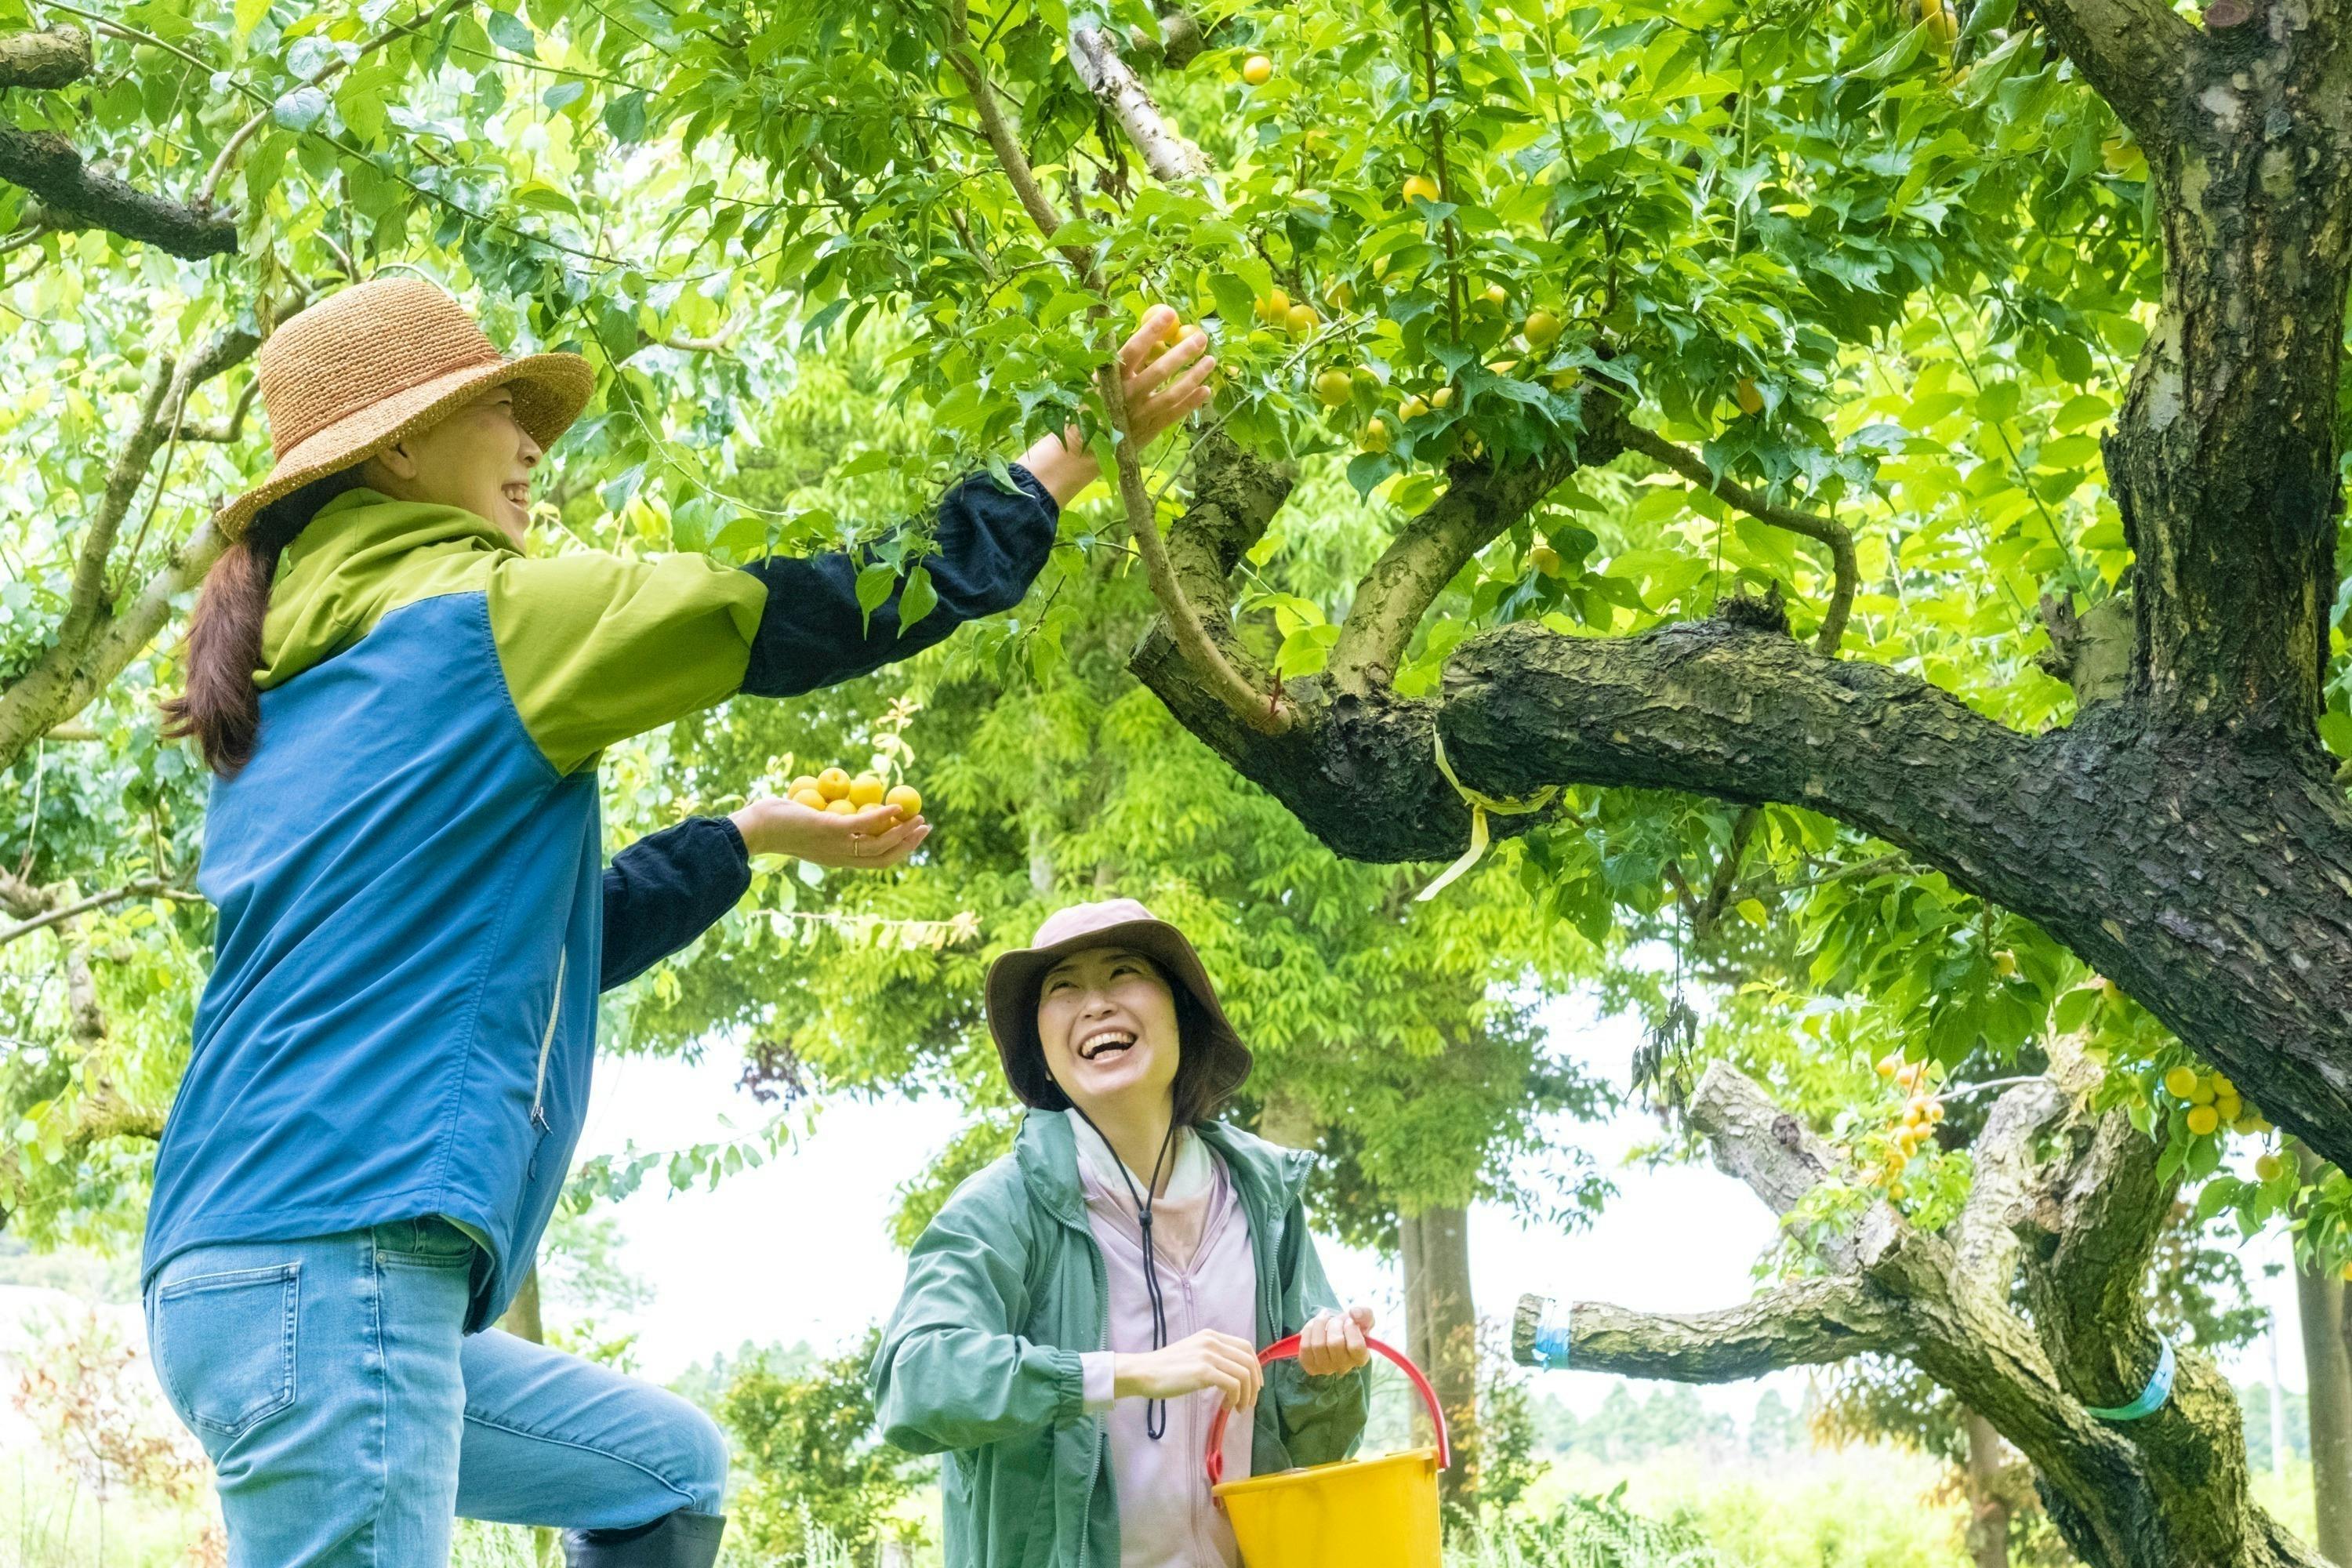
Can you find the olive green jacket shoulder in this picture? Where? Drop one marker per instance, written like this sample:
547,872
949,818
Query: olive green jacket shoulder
1005,1290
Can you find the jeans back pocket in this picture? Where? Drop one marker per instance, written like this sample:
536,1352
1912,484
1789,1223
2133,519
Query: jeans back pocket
225,1345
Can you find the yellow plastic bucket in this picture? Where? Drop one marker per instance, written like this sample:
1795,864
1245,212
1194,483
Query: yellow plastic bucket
1358,1513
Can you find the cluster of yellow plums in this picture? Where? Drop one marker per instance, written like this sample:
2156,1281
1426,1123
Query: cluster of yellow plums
1923,1107
2214,1102
835,791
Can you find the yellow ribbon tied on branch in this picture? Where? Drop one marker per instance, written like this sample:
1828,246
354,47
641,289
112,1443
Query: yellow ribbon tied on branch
1480,805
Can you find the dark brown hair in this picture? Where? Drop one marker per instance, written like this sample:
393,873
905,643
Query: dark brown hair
222,707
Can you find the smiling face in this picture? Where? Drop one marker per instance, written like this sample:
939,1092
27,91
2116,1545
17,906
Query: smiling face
479,459
1108,1021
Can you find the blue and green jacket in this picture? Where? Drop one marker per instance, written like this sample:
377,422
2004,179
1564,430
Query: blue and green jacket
401,1013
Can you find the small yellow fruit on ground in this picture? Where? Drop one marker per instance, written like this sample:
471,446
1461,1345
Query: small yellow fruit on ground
1333,388
2268,1166
2180,1082
1257,70
1744,392
1888,1066
808,797
2203,1119
840,808
1301,319
1442,398
908,801
1541,329
1419,188
1496,294
800,783
1412,409
1544,559
1376,436
834,784
865,790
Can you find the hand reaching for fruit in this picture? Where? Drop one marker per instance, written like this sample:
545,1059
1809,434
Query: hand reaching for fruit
832,819
1167,376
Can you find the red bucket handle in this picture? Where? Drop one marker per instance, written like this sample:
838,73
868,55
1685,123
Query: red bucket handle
1285,1350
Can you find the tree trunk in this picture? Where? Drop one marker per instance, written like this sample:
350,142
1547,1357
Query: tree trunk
2188,840
2324,1301
1442,1333
2030,1307
1988,1537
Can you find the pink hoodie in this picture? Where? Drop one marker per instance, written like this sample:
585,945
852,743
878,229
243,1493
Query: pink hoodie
1208,1279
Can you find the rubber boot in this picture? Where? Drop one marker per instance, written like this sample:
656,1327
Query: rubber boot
680,1539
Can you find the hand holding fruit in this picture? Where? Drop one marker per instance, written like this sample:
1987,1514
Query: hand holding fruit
832,819
1166,368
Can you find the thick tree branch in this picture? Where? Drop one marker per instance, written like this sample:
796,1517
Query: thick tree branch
1812,1322
48,58
1480,503
2135,53
1172,159
78,196
1827,532
1985,1235
63,681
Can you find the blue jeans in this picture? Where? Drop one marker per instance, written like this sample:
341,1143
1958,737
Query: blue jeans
351,1419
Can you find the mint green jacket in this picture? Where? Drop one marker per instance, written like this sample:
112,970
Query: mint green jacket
1005,1290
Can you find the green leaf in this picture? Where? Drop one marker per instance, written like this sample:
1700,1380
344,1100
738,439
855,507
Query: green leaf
563,95
511,32
919,599
250,13
874,585
299,110
624,117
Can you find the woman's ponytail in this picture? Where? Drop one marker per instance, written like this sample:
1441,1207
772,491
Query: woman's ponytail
222,707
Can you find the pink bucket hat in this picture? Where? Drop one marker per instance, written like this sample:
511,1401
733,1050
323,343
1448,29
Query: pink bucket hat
1014,979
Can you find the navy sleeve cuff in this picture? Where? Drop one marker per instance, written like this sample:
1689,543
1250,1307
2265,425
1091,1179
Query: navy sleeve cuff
989,546
667,888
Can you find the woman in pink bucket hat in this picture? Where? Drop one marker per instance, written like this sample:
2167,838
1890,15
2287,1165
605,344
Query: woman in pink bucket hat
405,710
1078,1311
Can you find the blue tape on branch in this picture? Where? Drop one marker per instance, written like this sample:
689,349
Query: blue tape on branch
2151,1399
1551,1343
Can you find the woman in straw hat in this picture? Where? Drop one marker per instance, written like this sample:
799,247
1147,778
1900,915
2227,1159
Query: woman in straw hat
1079,1311
404,711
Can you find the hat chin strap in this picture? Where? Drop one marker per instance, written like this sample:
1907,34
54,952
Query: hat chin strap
1155,1413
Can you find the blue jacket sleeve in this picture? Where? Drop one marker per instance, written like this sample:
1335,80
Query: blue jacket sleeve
990,547
667,888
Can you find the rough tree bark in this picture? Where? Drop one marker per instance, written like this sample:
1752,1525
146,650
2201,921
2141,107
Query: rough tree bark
2063,1220
2325,1310
2189,838
1441,1332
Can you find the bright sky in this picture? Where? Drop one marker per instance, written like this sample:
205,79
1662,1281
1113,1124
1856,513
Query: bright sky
796,1249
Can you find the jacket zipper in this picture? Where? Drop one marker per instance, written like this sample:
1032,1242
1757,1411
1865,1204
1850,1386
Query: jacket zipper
1102,1426
547,1043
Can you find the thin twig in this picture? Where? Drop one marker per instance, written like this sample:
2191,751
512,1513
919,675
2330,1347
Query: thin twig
145,887
1811,525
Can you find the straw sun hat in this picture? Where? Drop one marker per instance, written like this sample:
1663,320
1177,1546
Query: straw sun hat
1015,978
377,364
